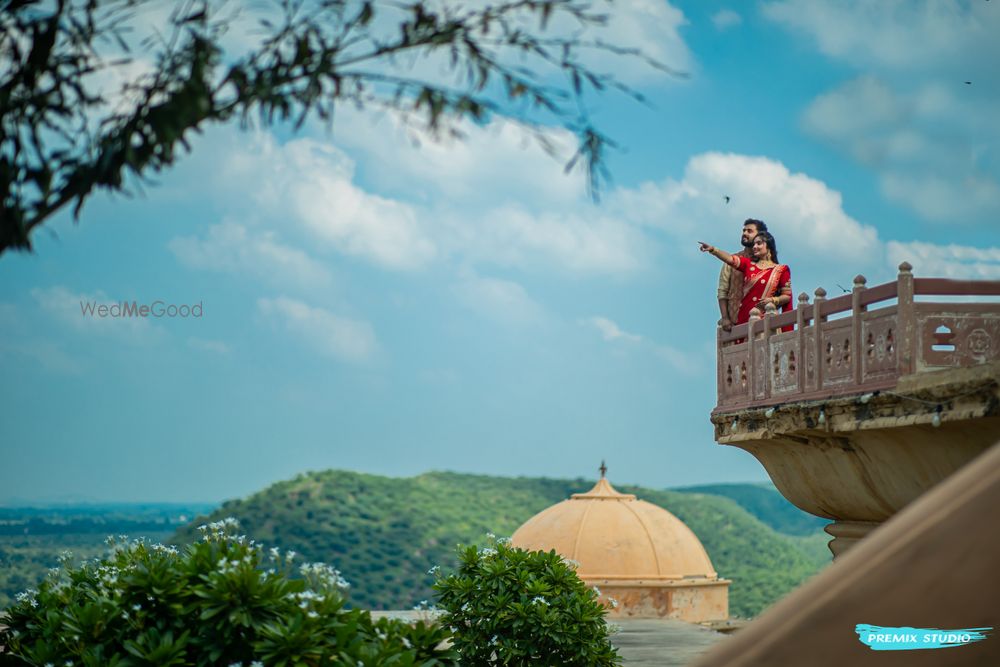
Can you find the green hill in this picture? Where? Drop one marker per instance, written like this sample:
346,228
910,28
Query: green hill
765,503
385,533
31,538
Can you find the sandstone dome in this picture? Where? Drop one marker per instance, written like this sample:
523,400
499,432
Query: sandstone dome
613,535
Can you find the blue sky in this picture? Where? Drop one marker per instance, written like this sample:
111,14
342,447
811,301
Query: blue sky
375,306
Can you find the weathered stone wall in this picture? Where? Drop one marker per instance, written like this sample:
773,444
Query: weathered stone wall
692,601
860,459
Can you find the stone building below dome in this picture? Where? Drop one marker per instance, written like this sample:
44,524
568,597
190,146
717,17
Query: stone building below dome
635,552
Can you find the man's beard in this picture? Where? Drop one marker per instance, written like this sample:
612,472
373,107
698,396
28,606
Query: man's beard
746,243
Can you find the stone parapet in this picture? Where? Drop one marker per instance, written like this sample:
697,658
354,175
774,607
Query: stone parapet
859,459
690,600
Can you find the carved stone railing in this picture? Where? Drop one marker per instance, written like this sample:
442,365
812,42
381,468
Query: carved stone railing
882,333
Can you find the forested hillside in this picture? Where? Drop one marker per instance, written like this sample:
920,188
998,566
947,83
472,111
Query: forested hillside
765,503
31,538
385,533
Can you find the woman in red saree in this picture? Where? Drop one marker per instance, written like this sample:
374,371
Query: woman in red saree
764,280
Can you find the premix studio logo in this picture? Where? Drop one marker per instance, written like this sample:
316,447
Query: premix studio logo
879,638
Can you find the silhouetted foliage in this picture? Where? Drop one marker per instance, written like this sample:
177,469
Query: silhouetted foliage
62,138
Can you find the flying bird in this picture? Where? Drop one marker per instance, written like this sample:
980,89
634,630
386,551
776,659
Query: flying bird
726,198
968,83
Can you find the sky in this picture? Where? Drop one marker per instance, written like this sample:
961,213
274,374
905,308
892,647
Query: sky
379,304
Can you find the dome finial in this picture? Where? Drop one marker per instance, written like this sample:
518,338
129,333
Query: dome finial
603,469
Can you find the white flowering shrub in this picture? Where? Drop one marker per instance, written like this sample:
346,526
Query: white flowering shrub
508,606
221,601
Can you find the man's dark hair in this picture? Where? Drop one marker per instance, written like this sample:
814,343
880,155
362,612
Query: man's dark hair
759,224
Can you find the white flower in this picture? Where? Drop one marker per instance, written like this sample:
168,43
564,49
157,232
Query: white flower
614,603
406,643
538,599
434,570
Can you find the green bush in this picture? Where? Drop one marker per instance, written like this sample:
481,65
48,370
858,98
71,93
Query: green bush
221,601
508,606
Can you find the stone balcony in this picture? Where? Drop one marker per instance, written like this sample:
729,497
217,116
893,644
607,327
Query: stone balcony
872,399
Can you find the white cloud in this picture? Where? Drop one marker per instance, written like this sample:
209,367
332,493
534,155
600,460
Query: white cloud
651,26
927,147
329,335
110,80
230,247
901,34
20,341
804,214
930,137
324,198
582,239
725,19
208,345
943,199
51,356
499,198
489,165
501,300
680,360
857,107
946,261
307,187
611,331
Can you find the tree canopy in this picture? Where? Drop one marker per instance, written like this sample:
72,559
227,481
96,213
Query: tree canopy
63,136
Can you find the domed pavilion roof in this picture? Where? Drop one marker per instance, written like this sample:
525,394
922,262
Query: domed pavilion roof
613,535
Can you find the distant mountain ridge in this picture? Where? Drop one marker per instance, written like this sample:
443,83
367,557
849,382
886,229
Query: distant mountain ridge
767,504
385,533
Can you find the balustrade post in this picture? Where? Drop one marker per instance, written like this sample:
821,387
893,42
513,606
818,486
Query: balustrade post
800,322
769,312
856,310
720,375
906,320
818,320
751,354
